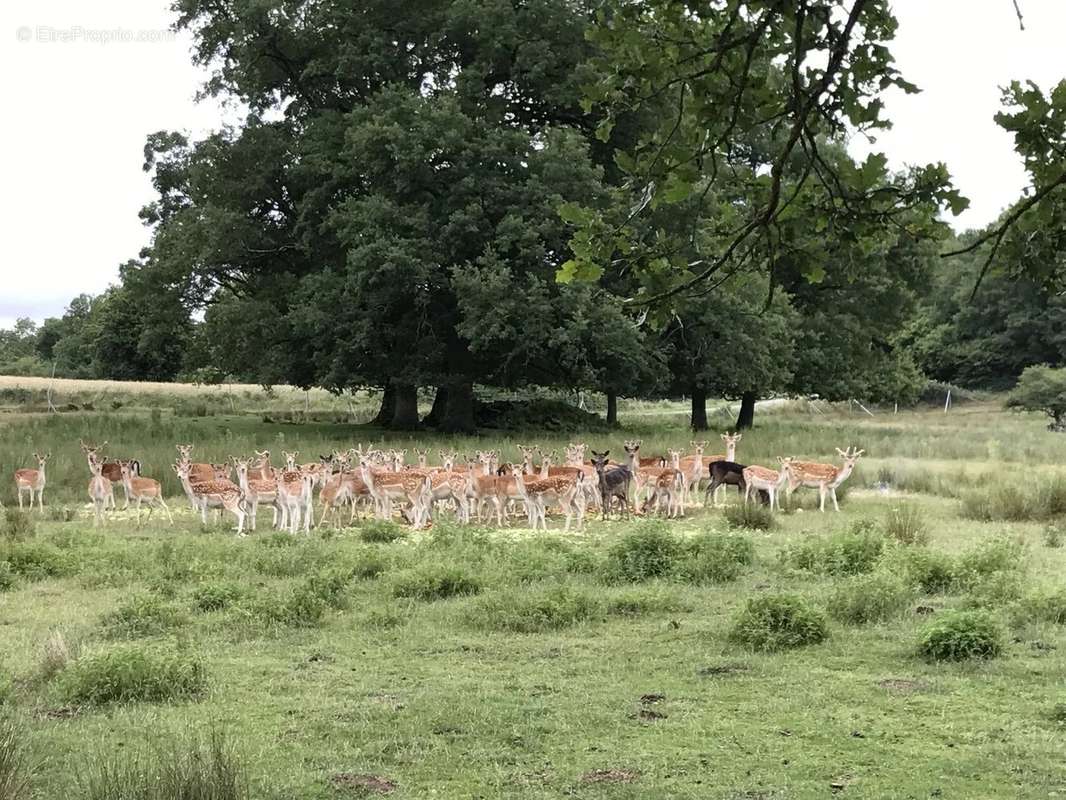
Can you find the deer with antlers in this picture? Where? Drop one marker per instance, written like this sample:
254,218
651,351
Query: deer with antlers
823,477
101,492
143,490
757,478
32,481
112,470
212,494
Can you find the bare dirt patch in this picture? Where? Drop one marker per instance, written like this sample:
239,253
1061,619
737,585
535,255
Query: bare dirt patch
611,776
369,784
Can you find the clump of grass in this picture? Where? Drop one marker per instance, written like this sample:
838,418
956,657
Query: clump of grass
435,581
17,525
1052,536
1044,606
869,598
190,770
15,769
716,558
278,539
217,596
960,636
749,516
650,551
34,560
778,622
905,524
637,601
130,674
534,610
142,615
932,571
56,654
1007,503
996,555
847,553
368,564
386,616
8,579
379,530
1058,712
994,590
330,586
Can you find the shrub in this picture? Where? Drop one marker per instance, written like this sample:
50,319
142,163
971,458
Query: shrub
932,571
186,770
1052,536
330,586
533,610
778,622
14,762
368,565
996,555
749,516
35,560
905,524
142,615
130,674
18,524
8,578
848,553
650,551
216,596
869,598
435,581
993,590
379,530
1001,503
278,539
960,635
716,558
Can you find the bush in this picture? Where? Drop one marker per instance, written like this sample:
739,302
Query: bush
368,565
435,581
778,622
960,635
534,610
17,525
715,558
131,674
379,530
749,516
869,598
650,551
848,553
994,590
330,586
278,539
142,615
1046,500
14,762
216,596
8,578
635,602
932,571
185,770
996,555
35,560
905,525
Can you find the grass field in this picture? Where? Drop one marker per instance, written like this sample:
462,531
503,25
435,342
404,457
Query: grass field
640,659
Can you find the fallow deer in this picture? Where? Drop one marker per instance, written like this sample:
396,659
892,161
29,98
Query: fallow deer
257,491
384,487
110,469
481,489
824,477
101,492
757,478
33,481
566,490
143,490
212,494
731,440
612,483
666,484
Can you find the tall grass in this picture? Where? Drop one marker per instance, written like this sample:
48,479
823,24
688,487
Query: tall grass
15,768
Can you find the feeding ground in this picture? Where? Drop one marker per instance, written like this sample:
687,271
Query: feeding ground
913,645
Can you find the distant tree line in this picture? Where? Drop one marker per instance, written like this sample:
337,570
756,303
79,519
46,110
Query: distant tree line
633,199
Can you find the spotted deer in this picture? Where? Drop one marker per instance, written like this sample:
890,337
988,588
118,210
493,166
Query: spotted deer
262,471
480,489
295,496
731,440
666,484
693,470
757,478
143,490
567,491
256,491
341,488
212,494
101,492
112,470
33,481
613,483
823,477
411,489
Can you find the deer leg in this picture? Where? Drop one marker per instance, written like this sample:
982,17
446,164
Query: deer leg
166,508
821,497
833,494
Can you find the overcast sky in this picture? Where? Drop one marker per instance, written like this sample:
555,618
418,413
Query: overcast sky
79,108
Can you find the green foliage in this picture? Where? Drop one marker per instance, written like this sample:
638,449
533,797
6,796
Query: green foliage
1052,536
35,560
716,558
931,571
994,556
1042,500
650,551
15,768
778,622
848,553
1048,605
435,581
750,516
130,674
17,524
142,615
639,600
869,598
1042,388
217,596
8,578
189,770
56,654
534,609
959,636
377,530
905,524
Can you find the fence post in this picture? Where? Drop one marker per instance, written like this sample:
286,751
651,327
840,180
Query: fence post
947,402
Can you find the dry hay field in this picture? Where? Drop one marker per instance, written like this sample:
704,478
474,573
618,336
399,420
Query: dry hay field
911,646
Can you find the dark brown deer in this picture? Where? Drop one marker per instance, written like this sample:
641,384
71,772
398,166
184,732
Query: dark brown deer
613,482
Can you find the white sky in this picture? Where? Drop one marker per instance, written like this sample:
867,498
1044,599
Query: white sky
71,146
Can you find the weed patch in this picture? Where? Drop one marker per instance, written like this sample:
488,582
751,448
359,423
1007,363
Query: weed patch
778,622
959,636
869,598
534,610
130,674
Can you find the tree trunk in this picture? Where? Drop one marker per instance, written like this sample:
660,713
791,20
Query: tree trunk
459,416
612,408
440,405
388,406
405,413
699,410
746,417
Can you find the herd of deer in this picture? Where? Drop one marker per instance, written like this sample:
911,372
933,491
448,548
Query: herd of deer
381,480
